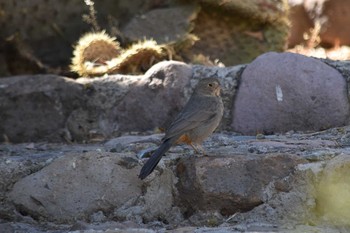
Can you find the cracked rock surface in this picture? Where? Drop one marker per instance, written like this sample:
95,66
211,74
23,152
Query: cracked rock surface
279,161
245,183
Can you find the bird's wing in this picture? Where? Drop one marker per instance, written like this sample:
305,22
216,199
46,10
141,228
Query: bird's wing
192,116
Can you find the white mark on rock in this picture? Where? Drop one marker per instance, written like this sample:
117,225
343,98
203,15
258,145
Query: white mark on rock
279,93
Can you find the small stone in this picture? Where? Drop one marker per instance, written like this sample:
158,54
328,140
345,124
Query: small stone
98,217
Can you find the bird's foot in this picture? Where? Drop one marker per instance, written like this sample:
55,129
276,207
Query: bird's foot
199,151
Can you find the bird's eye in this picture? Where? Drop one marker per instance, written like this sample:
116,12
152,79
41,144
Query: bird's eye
210,84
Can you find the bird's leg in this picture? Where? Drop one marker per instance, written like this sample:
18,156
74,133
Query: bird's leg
194,147
202,151
198,149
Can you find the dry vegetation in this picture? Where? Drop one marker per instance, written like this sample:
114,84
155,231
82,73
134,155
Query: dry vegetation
312,47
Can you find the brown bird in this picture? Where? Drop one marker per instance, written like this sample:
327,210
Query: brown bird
198,119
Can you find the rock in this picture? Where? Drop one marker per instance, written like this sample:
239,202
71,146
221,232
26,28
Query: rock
54,108
127,140
230,184
238,31
15,167
49,31
96,117
273,186
133,103
163,25
282,92
164,90
7,227
265,11
156,203
38,33
77,185
333,191
36,107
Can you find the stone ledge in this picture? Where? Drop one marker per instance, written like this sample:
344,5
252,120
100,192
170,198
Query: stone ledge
275,93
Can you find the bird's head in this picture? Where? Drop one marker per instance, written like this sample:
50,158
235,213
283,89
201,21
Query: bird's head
208,86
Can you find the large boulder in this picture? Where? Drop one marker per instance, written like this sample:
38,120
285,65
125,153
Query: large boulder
285,91
35,107
77,185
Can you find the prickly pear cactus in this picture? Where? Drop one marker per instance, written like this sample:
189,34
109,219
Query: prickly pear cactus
94,49
97,54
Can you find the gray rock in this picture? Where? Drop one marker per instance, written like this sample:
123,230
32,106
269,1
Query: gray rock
36,107
282,92
77,185
272,187
156,98
232,183
54,108
96,117
131,103
159,198
126,140
163,25
15,167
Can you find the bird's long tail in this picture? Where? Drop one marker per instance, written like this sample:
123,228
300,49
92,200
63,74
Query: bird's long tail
155,158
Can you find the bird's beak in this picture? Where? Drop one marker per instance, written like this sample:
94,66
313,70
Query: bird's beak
217,91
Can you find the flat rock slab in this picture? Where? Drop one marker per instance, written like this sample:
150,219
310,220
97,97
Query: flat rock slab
286,91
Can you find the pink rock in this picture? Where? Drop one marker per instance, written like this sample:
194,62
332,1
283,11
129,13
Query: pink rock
285,91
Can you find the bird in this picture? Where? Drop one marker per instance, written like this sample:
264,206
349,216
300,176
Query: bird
198,119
